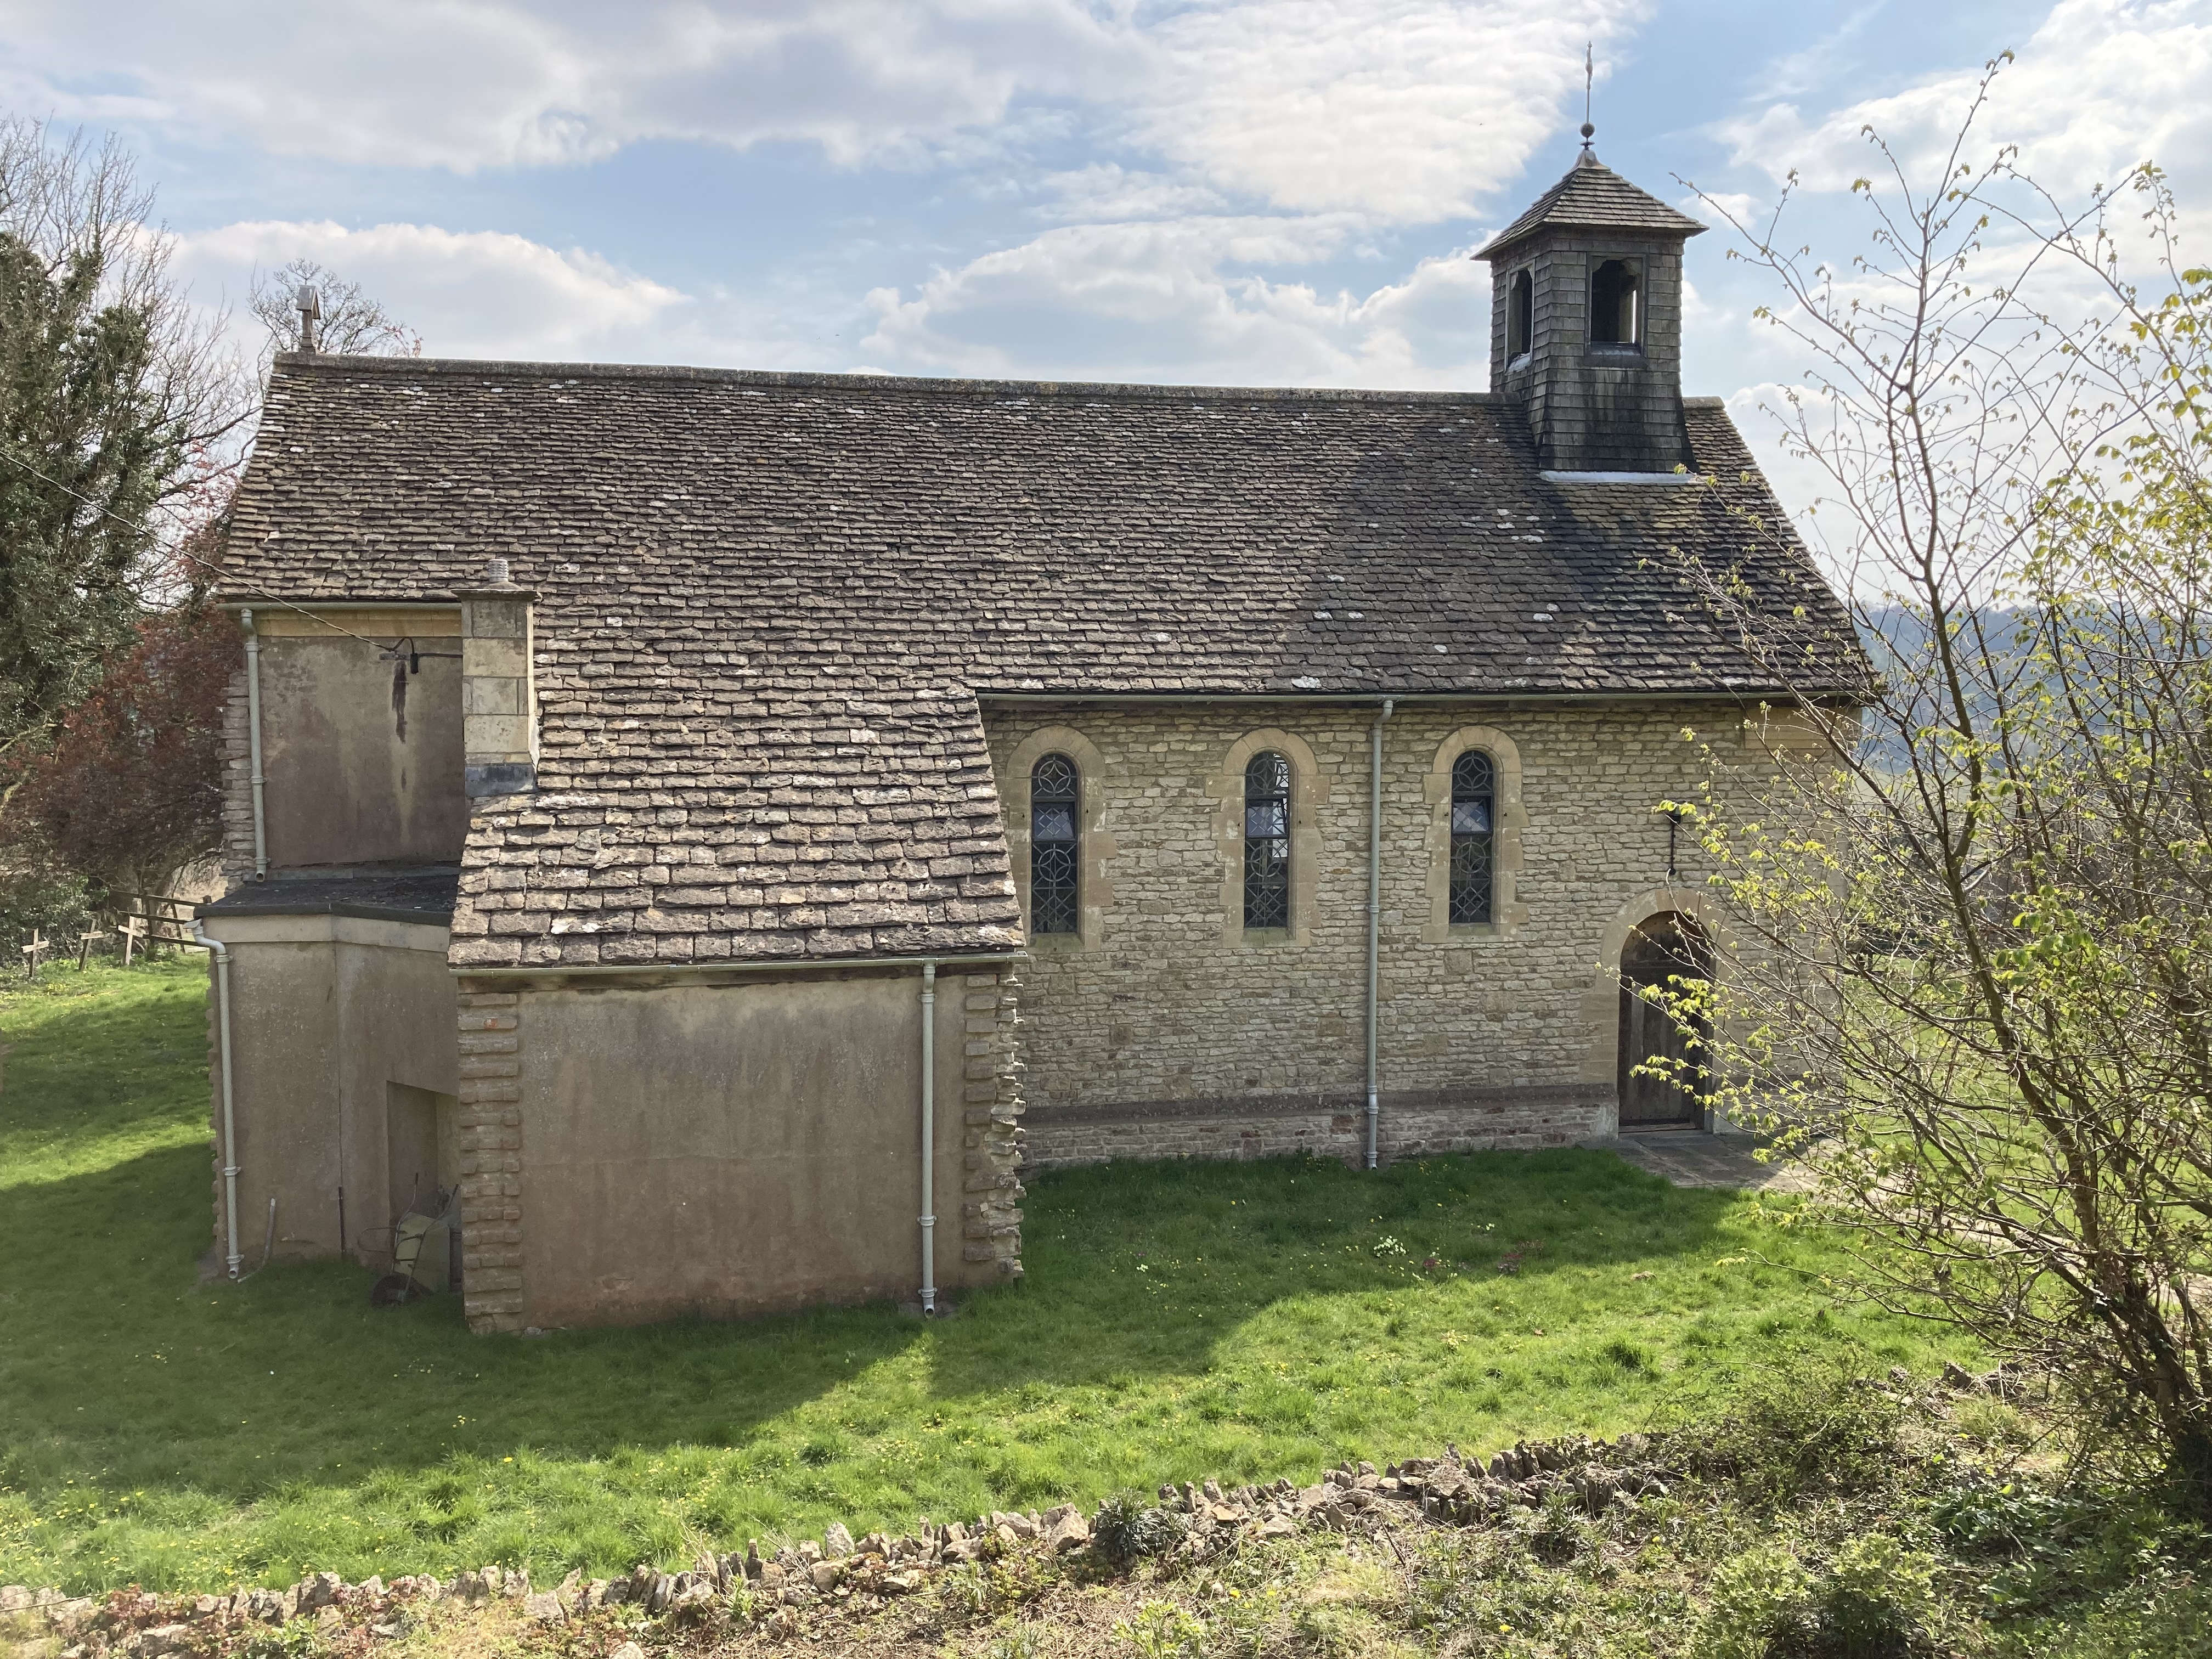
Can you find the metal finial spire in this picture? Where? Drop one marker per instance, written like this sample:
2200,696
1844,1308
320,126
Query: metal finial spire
1589,75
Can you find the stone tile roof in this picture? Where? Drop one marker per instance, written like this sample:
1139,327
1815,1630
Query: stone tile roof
769,604
1593,196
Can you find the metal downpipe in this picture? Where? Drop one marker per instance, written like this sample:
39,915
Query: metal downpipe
929,1139
253,742
216,948
1374,917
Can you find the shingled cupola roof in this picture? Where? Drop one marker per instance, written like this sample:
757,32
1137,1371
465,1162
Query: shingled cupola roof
1593,196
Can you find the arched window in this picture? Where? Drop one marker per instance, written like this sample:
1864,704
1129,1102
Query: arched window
1616,303
1521,316
1474,835
1055,807
1267,841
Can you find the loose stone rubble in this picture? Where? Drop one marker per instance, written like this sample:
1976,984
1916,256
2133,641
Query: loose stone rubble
1452,1490
1353,1497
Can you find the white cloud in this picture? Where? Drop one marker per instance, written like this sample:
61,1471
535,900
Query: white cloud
1408,111
1177,302
1105,189
472,294
471,83
2100,86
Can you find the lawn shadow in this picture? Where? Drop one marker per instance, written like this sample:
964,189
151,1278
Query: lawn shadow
118,1359
1143,1269
122,1363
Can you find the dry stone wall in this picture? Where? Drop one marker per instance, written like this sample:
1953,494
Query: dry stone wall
1163,1030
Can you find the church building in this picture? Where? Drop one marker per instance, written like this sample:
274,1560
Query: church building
707,833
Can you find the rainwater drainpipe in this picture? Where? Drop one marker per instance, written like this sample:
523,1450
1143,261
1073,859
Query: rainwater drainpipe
254,751
1374,915
215,949
929,1139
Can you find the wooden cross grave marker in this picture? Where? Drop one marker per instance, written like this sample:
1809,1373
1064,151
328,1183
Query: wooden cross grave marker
134,933
34,953
84,947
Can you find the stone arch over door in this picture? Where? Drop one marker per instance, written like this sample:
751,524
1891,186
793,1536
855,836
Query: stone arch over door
1095,889
1600,1005
1661,952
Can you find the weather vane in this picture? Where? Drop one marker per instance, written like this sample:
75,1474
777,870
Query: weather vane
1589,75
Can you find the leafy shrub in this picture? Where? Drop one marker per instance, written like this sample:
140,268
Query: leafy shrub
1556,1536
1162,1630
56,905
1809,1428
1127,1528
1875,1602
1762,1608
2165,1613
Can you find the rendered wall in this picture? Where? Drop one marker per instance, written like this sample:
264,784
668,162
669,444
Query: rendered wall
326,1013
1160,1030
729,1147
362,757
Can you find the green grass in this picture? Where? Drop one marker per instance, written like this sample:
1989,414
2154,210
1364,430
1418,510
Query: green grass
1239,1319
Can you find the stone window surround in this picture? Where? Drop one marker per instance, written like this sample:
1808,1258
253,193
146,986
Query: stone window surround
1508,914
1308,790
1095,845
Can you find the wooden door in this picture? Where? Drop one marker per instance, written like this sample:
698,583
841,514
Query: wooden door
1660,952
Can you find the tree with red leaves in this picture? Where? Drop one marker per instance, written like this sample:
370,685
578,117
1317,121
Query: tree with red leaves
129,791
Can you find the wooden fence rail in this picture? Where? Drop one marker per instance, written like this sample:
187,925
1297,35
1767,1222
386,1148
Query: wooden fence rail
148,921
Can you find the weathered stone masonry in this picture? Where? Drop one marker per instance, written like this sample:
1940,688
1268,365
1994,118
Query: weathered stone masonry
1168,1033
491,1159
990,1210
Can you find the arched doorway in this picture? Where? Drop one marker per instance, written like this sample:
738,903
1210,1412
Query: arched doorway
1660,951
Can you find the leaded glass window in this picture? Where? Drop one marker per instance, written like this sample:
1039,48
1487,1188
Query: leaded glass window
1474,835
1055,800
1268,842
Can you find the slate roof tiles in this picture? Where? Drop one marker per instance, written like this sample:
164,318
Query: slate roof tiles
769,604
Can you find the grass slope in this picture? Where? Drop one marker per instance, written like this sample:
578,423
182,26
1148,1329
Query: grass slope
1242,1319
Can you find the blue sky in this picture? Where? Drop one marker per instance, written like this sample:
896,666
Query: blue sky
1241,191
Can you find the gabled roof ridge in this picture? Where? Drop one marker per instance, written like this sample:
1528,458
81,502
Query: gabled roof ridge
321,365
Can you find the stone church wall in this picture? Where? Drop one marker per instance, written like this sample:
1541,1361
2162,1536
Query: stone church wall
1162,1029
